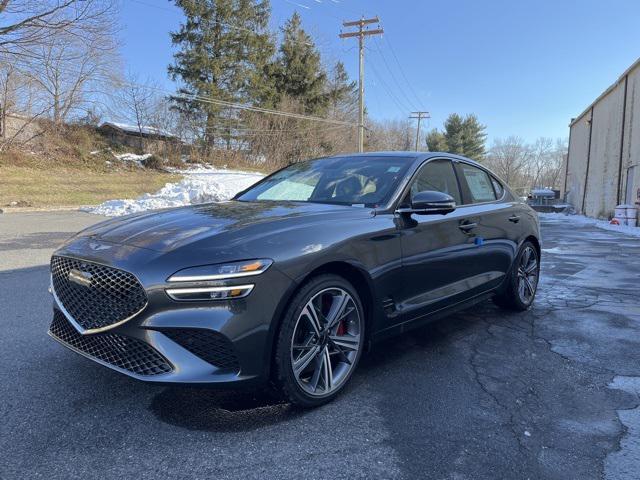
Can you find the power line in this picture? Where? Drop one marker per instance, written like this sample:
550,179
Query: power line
393,76
224,24
308,8
222,103
406,79
389,90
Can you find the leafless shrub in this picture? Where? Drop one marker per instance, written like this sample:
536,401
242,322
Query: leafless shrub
390,135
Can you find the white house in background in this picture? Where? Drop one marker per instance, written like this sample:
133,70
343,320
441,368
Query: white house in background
603,165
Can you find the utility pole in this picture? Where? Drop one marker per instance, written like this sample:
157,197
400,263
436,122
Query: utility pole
361,33
419,116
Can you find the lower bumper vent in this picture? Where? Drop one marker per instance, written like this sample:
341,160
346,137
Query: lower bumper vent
211,346
123,352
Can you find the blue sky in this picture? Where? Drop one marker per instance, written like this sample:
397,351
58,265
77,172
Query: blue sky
525,68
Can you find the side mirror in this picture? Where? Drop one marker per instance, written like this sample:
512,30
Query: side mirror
431,202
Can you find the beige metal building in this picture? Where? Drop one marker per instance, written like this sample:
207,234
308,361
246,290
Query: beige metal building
603,164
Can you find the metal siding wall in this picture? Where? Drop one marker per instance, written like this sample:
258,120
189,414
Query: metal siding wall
577,160
631,150
602,182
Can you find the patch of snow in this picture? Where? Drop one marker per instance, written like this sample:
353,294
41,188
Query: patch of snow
553,250
200,185
132,157
582,220
527,433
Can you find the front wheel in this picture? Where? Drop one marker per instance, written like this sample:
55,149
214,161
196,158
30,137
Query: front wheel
320,341
522,283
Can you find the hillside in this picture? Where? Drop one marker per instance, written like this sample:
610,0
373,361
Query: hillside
74,166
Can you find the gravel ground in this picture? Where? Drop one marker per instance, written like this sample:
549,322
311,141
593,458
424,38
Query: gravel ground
550,393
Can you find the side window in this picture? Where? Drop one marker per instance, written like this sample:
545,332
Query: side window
497,186
437,175
479,182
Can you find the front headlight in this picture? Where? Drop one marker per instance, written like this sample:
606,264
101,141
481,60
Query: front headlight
210,273
209,293
223,271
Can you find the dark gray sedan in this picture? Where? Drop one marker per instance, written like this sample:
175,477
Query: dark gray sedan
295,277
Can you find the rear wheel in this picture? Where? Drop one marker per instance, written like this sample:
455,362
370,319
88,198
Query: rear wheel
320,341
522,283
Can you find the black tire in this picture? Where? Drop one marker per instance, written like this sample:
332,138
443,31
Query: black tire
510,298
284,377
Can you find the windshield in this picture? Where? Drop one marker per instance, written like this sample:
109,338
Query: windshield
361,181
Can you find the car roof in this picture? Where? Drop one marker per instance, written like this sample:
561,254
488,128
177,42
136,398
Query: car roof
413,156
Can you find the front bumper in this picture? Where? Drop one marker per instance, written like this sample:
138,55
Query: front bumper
224,342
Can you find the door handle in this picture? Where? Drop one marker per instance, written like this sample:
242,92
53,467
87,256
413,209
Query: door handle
514,218
466,226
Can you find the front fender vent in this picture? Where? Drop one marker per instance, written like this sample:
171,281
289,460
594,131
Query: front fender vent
211,346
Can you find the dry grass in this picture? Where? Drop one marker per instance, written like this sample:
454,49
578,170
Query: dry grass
41,187
72,166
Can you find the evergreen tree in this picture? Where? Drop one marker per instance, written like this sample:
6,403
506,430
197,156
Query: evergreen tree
473,138
298,71
463,136
224,47
436,141
453,133
341,93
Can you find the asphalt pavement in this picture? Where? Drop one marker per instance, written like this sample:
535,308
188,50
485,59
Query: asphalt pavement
552,393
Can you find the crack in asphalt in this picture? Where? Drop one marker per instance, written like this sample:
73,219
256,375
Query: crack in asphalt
475,367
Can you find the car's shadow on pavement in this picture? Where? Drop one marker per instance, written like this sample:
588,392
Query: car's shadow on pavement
206,409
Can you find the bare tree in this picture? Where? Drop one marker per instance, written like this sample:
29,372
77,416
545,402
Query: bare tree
390,135
540,161
67,49
137,101
526,166
8,93
552,175
25,24
510,159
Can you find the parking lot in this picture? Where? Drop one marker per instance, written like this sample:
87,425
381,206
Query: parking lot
549,393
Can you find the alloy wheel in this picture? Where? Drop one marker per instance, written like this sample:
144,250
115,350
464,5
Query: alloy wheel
528,275
326,341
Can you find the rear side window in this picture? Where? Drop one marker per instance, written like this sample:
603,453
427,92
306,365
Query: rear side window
497,186
480,184
437,175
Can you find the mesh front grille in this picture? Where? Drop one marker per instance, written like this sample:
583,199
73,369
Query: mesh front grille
96,296
211,346
124,352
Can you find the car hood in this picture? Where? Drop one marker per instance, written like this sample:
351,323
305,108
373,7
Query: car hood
169,229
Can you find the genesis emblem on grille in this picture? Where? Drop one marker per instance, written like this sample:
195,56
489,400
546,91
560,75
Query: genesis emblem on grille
80,278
